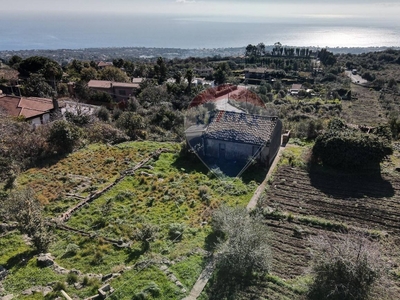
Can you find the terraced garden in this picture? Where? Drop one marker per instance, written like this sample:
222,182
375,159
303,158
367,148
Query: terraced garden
172,193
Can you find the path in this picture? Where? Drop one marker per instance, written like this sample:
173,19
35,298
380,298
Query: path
209,269
253,201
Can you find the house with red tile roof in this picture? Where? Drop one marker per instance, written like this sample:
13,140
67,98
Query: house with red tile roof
119,91
35,110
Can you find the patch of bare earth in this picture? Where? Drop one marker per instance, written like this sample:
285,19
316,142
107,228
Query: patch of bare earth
365,108
368,203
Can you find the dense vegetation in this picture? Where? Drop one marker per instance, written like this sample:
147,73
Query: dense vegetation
151,225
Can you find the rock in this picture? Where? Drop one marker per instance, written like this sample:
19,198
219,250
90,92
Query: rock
163,268
172,278
75,271
179,284
106,277
183,291
7,297
77,285
45,260
46,290
3,272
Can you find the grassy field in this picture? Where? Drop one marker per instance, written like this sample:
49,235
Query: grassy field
171,193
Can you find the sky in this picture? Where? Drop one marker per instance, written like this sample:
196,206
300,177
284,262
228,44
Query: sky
306,9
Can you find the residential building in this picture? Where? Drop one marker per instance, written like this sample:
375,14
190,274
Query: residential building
35,110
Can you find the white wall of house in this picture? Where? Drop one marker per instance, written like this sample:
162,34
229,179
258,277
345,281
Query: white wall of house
43,119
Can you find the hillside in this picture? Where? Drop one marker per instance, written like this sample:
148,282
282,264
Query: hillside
301,203
97,243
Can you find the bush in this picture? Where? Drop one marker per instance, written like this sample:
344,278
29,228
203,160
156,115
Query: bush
72,249
348,268
100,132
243,245
346,148
103,114
64,136
175,231
72,278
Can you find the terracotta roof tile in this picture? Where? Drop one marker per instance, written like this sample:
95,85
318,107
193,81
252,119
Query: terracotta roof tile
241,127
28,107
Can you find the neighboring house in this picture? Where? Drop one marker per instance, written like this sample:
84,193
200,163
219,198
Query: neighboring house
35,110
295,89
235,136
258,73
120,91
104,64
204,72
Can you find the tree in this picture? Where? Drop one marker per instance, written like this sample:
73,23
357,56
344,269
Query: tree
88,74
221,73
145,233
189,77
14,61
50,69
23,207
37,86
113,74
160,69
63,136
348,268
132,123
243,245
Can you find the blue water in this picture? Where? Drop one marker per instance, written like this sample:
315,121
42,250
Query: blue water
88,31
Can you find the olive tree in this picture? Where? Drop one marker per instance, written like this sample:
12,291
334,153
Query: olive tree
24,208
243,243
345,268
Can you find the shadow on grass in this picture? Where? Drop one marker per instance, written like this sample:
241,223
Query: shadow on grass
256,172
134,253
224,285
341,184
20,260
189,162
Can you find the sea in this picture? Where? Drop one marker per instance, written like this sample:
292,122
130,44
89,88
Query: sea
80,31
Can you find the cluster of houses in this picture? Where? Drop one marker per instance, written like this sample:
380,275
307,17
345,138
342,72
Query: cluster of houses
37,110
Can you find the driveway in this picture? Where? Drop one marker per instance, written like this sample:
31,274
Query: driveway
356,78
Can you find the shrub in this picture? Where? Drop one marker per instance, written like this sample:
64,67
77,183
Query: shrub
64,136
175,231
72,278
105,133
72,249
243,245
346,148
348,268
103,114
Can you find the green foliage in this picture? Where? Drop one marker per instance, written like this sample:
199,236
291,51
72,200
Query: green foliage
72,249
113,74
72,278
175,231
64,136
103,114
345,269
244,243
23,207
99,132
346,148
132,123
37,86
50,69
